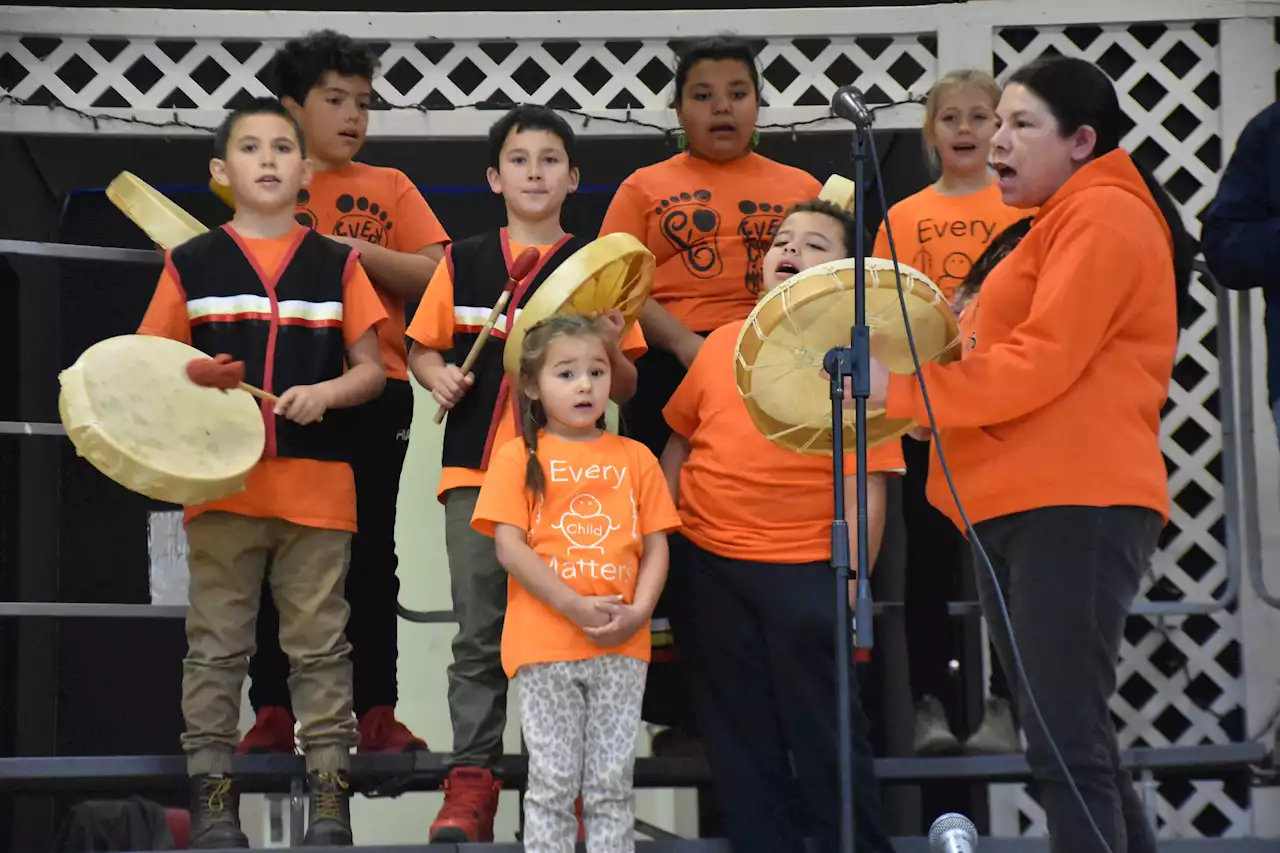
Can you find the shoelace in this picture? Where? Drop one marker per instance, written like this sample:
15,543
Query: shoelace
330,796
215,793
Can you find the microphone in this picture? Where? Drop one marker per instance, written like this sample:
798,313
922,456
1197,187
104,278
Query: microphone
849,103
953,833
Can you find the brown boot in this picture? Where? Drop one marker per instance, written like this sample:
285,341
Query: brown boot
215,814
330,824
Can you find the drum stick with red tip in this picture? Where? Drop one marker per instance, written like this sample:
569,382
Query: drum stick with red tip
521,267
221,372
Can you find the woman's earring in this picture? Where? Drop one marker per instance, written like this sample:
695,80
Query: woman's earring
755,139
682,141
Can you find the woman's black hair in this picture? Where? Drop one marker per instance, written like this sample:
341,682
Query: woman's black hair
997,250
714,49
1078,93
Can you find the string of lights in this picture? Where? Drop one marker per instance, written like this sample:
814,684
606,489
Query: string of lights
177,122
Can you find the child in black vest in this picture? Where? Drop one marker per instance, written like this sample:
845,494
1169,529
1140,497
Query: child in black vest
531,166
325,80
292,307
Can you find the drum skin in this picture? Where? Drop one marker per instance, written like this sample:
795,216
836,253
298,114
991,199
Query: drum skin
614,272
129,408
168,225
778,361
839,190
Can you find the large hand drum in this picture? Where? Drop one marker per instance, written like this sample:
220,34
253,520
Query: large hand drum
780,350
614,272
130,409
164,222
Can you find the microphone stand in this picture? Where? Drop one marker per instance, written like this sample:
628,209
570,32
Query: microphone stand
852,362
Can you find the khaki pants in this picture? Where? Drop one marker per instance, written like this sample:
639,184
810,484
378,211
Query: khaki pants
477,683
228,556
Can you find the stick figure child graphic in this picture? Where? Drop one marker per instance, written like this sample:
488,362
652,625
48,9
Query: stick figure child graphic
584,520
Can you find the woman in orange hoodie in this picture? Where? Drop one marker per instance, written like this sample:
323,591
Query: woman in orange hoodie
1050,426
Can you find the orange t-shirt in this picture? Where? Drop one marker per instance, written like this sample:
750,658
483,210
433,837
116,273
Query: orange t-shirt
1068,352
382,206
433,326
709,226
603,497
942,235
305,491
742,496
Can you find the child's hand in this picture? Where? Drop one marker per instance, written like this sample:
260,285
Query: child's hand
847,401
303,404
591,611
450,385
625,620
612,324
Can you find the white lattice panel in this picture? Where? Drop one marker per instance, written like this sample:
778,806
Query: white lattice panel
441,86
1180,679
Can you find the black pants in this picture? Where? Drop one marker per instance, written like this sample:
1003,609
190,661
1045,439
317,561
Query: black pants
1069,575
937,555
380,439
759,641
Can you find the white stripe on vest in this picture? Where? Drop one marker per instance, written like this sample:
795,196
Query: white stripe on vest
248,305
473,319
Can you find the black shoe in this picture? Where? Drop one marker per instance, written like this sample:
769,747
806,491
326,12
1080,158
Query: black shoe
330,811
215,814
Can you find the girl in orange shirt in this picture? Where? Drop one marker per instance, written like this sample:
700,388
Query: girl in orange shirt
941,231
708,214
1050,425
579,519
750,589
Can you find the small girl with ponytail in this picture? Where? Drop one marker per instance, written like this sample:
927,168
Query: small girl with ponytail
579,518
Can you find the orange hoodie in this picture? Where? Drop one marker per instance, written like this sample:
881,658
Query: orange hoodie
1069,351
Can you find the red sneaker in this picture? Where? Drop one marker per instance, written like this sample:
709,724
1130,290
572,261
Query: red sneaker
271,732
470,802
380,731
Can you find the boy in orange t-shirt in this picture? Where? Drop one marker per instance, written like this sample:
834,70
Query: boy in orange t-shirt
579,520
750,587
324,79
301,315
531,165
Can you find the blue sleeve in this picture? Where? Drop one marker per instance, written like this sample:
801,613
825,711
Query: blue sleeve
1241,233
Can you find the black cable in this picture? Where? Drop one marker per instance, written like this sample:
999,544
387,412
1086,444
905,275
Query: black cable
973,534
